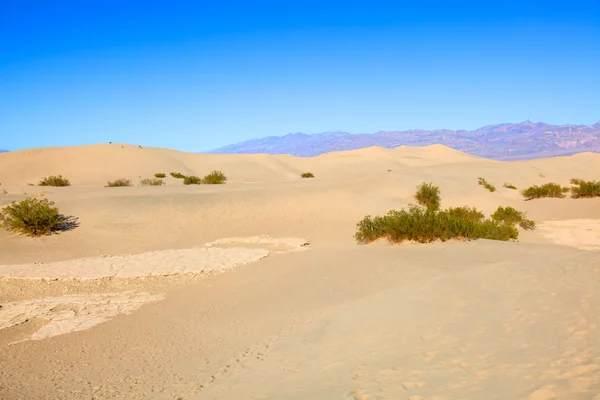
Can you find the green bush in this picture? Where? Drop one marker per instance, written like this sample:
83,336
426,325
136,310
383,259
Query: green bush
487,185
54,181
152,182
214,178
428,196
547,190
192,180
509,186
119,183
177,175
511,216
160,175
307,175
32,217
585,188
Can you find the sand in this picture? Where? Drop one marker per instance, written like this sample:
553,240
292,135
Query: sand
133,304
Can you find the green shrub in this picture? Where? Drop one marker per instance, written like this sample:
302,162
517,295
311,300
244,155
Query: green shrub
177,175
511,216
428,196
152,182
192,180
547,190
32,217
119,183
509,186
585,188
307,175
487,185
214,178
54,181
160,175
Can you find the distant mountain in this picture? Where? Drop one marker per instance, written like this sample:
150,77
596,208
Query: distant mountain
3,151
524,140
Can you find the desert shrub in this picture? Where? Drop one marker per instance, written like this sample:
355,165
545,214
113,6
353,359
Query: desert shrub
214,178
54,181
585,188
511,216
192,180
177,175
547,190
160,175
428,196
307,175
32,217
487,185
465,213
509,186
119,183
152,182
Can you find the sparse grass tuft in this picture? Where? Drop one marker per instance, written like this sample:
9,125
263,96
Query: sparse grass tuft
119,183
307,175
546,190
585,188
511,216
177,175
214,178
31,217
160,175
192,180
509,186
428,196
54,181
152,182
487,185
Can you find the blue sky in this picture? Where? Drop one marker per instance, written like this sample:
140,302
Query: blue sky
197,75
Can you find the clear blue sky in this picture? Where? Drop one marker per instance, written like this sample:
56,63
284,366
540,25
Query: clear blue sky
197,75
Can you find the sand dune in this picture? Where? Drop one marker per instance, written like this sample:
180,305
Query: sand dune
474,320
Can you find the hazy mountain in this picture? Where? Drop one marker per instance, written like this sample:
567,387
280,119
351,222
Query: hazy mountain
501,142
3,151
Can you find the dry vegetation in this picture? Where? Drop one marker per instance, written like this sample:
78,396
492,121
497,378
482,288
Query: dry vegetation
152,182
31,217
160,175
487,185
119,183
546,190
307,175
54,181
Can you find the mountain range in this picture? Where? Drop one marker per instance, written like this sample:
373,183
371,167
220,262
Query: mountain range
508,141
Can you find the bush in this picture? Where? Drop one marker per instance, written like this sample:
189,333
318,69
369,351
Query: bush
54,181
119,183
307,175
547,190
509,186
152,182
192,180
428,196
32,217
177,175
487,185
511,216
585,188
214,178
160,175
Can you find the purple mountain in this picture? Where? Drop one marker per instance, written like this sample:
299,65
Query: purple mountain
524,140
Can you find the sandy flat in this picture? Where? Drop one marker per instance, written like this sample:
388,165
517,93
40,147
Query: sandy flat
129,305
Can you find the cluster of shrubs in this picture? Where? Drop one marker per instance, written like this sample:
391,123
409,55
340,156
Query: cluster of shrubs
215,177
54,181
426,222
580,189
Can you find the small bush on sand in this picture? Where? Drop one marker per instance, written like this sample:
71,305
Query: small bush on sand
54,181
192,180
428,196
487,185
307,175
160,175
177,175
152,182
585,188
511,216
32,217
214,178
119,183
546,190
509,186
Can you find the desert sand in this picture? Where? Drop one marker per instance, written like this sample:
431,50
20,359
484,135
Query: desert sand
257,290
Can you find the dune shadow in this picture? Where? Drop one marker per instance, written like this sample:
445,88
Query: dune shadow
68,223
